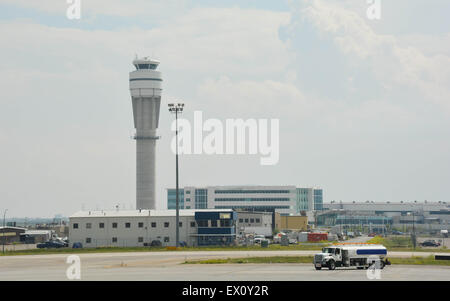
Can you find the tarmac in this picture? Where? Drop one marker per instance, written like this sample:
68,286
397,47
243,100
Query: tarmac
169,266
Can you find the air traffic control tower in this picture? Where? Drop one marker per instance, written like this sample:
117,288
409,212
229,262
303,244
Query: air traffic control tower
145,89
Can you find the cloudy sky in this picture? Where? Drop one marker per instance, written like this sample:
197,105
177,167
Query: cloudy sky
364,105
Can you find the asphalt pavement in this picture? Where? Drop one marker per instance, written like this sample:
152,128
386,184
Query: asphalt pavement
169,266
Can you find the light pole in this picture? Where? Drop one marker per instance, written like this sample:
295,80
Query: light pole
3,231
413,236
177,108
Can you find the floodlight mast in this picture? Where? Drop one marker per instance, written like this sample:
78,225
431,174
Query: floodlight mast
176,109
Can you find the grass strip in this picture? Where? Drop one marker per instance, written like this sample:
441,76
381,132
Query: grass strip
271,259
309,259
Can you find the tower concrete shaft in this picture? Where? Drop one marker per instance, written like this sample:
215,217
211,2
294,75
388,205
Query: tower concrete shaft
145,89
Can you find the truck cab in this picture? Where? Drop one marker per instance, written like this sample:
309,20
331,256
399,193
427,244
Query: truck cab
328,257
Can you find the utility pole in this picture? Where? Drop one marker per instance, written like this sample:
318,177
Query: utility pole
413,235
414,231
3,231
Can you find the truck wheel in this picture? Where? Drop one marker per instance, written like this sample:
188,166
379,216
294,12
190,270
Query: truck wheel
318,268
331,265
382,264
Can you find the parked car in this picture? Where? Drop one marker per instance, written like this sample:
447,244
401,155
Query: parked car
258,239
372,234
63,241
51,244
77,245
429,243
395,232
156,243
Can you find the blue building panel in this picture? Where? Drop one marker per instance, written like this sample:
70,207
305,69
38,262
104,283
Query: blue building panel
224,233
215,215
228,231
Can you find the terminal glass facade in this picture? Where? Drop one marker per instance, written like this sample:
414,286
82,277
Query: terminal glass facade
250,191
201,198
172,198
302,200
318,199
252,199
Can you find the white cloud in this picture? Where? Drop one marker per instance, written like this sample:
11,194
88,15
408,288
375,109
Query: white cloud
227,40
393,63
267,98
65,101
67,85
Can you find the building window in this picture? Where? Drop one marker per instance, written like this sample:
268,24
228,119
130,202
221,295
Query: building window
88,225
252,220
114,225
153,225
188,200
225,215
166,239
252,199
258,220
101,225
114,239
201,198
141,225
127,225
202,223
225,223
180,224
188,207
192,224
166,225
250,191
88,240
214,223
140,239
241,220
75,226
246,220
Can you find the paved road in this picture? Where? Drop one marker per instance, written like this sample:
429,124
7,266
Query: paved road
167,266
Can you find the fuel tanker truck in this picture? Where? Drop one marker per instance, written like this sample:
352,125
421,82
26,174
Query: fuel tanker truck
351,255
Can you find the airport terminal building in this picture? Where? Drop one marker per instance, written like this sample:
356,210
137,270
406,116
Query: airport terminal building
283,199
429,216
